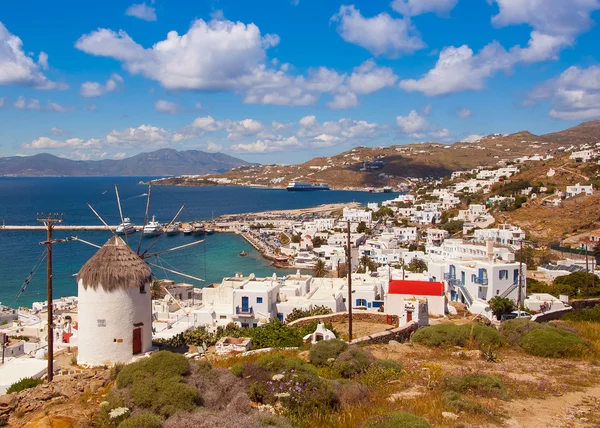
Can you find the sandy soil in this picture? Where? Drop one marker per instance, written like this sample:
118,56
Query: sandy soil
360,328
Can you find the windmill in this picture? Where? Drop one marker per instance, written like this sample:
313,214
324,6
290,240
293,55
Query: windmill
114,294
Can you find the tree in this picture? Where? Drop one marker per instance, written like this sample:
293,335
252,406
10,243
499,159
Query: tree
296,239
318,241
574,284
362,227
366,262
342,270
597,253
320,270
501,305
155,290
417,265
453,226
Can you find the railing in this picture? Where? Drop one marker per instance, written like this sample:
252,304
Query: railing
481,281
449,276
509,290
244,311
466,294
455,282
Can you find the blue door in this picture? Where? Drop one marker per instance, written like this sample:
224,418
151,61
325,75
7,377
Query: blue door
244,304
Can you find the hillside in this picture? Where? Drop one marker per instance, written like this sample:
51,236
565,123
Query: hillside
399,162
159,162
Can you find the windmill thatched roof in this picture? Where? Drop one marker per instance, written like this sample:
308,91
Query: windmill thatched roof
114,266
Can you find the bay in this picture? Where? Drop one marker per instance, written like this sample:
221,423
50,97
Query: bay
22,198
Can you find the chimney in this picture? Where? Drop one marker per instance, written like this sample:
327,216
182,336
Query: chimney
490,248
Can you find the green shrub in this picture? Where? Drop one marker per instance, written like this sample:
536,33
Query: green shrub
514,330
448,335
352,362
458,403
203,366
480,384
396,420
163,364
142,420
297,314
257,391
25,383
389,365
554,343
322,352
237,369
163,395
272,421
279,362
583,315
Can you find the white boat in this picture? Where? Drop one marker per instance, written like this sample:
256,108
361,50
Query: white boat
302,186
125,228
153,228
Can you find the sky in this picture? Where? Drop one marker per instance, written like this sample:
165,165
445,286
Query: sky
283,81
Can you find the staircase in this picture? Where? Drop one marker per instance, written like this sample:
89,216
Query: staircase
466,294
510,290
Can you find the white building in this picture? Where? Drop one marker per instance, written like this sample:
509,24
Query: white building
579,189
504,234
357,215
115,315
436,236
426,217
401,291
583,155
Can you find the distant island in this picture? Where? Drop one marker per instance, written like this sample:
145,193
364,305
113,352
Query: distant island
162,162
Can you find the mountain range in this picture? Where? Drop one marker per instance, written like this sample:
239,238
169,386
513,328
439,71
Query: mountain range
158,163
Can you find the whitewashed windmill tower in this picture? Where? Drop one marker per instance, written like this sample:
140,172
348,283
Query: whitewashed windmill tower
115,308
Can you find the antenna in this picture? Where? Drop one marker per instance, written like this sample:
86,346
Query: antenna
145,217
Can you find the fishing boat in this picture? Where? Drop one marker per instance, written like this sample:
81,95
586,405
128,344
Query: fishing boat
125,228
198,229
188,230
153,228
210,231
243,254
172,230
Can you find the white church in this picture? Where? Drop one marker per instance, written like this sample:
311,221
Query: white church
115,308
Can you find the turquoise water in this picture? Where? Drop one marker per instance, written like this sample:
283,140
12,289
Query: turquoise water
217,257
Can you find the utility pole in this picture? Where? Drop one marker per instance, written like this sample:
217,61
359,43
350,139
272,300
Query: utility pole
49,222
587,269
520,279
349,286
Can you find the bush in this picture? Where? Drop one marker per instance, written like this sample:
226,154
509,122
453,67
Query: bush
583,315
380,373
25,383
514,330
395,420
237,369
299,313
322,352
501,305
279,362
448,335
142,420
389,365
480,384
458,403
554,343
163,364
352,362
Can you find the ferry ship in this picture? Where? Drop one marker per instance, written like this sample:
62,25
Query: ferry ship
298,186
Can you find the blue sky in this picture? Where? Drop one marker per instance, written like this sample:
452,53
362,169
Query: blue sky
287,80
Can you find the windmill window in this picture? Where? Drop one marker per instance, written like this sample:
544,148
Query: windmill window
143,289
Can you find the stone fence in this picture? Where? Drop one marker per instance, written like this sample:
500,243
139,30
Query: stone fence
373,317
400,334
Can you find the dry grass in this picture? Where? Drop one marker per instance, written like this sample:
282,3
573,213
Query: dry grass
589,330
360,328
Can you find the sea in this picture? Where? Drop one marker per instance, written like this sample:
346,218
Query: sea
23,199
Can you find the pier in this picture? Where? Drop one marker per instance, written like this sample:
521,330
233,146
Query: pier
61,227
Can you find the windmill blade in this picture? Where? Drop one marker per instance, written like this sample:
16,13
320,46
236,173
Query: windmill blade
120,210
75,238
101,219
145,218
175,272
145,256
162,234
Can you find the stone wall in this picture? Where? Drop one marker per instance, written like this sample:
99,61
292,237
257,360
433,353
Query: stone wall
584,304
373,317
400,334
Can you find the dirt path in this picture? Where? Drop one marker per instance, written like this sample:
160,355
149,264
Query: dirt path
573,410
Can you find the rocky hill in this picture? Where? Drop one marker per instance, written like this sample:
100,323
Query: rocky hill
363,167
159,162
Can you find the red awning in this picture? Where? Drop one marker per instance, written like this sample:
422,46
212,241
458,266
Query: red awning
416,288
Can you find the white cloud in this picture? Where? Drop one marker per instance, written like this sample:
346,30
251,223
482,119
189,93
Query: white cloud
412,124
555,25
440,134
427,109
244,128
213,147
166,106
91,107
418,7
381,34
96,89
18,68
2,102
23,104
335,132
368,78
265,146
472,138
343,100
278,126
141,11
43,60
574,94
198,106
464,113
205,123
325,140
120,155
49,143
57,107
57,131
146,134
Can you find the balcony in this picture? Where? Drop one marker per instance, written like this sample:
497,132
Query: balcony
449,276
481,281
244,312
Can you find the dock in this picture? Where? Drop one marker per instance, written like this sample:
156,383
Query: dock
60,227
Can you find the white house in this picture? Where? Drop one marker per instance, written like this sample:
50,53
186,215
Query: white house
115,311
357,215
504,234
436,236
578,189
400,291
